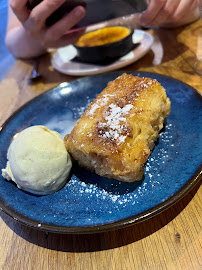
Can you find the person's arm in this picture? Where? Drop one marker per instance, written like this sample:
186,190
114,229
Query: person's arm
27,34
170,13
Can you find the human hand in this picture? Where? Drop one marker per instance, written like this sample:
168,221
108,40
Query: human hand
170,13
34,22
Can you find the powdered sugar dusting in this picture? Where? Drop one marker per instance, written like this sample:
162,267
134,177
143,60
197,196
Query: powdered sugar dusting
104,201
100,102
79,110
148,82
133,195
114,127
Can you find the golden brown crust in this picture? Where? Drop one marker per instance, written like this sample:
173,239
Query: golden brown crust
103,36
116,133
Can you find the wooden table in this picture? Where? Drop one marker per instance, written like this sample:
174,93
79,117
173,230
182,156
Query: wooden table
170,240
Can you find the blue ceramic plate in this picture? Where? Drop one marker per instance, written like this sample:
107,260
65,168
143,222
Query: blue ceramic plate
89,203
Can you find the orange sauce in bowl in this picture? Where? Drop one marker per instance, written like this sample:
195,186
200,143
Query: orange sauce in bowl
103,36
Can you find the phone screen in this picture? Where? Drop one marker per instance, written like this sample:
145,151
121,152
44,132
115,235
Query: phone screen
102,10
96,10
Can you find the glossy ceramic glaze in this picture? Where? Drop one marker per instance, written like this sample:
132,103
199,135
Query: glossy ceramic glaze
89,203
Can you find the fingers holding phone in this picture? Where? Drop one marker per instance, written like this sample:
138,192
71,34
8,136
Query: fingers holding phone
34,21
20,9
58,34
169,13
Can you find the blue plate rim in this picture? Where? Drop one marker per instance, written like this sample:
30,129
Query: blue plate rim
110,226
194,180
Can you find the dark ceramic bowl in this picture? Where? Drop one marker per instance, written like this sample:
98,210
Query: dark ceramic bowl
107,52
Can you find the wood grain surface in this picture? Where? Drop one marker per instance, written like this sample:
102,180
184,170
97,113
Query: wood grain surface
171,240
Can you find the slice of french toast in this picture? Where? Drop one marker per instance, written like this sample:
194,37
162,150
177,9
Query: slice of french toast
115,135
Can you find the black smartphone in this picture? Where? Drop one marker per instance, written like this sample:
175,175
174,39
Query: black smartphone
96,10
60,12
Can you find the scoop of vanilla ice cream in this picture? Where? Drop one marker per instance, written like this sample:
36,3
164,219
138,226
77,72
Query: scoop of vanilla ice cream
38,161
